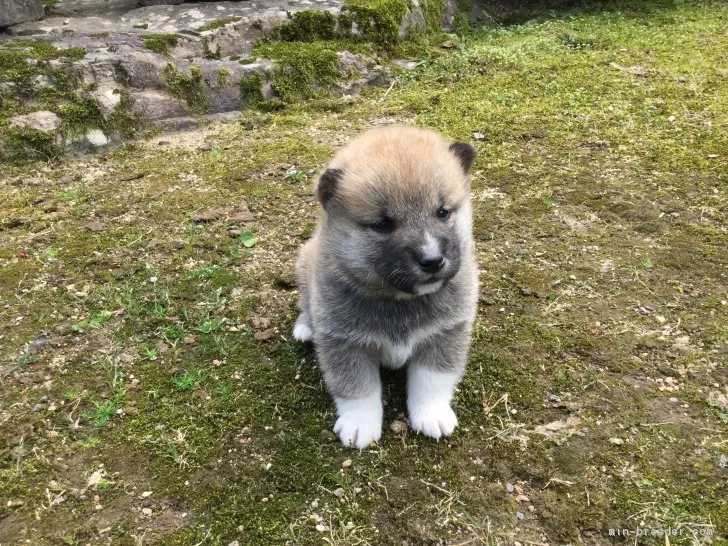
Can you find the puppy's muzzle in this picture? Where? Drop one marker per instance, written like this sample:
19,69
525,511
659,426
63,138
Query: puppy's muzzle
431,263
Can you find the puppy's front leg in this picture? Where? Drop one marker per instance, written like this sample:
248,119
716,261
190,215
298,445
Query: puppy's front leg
434,370
352,378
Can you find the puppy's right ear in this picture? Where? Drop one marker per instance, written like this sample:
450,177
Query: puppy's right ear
327,184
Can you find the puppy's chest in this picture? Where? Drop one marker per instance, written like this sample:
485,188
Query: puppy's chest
395,354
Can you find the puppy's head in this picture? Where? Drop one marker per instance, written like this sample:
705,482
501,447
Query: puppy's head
397,215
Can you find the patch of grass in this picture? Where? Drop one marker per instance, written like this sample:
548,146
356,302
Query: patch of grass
207,326
95,321
102,412
188,380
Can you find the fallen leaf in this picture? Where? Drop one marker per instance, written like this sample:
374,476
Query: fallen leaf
248,238
95,478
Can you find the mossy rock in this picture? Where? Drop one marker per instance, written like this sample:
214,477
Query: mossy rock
308,26
376,20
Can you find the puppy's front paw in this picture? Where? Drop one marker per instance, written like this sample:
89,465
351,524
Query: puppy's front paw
360,421
435,420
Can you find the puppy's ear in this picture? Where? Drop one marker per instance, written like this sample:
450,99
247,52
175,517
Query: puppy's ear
327,184
465,153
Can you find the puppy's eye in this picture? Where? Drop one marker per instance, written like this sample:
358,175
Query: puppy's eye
443,213
385,225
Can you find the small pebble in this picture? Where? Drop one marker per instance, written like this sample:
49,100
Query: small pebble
339,492
509,488
321,528
146,494
147,511
37,407
616,441
346,463
398,427
520,516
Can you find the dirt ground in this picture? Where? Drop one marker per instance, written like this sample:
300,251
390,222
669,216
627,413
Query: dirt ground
151,392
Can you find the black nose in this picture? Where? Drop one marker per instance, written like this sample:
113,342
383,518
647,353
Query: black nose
431,263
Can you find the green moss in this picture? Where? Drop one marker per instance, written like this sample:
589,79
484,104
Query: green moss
222,76
250,90
218,23
24,144
433,10
377,20
309,25
160,43
302,70
186,86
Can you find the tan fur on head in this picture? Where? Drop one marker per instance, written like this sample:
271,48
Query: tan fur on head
394,164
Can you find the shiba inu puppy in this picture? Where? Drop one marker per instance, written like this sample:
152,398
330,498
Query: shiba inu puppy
390,277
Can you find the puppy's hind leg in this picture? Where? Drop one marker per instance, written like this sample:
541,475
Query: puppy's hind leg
303,329
434,370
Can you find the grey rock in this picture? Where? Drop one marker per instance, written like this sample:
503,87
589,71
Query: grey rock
108,97
19,11
43,120
37,408
72,7
448,15
40,81
155,106
161,2
178,124
414,19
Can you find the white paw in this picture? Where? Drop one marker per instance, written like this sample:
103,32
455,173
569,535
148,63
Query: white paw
302,331
360,421
435,420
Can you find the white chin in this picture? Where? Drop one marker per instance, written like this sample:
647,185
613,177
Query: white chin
429,288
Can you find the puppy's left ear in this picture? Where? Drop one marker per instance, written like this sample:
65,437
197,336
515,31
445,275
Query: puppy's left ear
465,153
